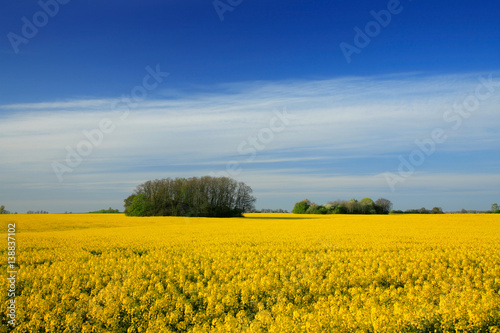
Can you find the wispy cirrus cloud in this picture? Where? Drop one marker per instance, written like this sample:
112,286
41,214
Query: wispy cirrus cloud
338,125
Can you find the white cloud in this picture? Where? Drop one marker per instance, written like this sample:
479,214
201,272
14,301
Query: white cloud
340,118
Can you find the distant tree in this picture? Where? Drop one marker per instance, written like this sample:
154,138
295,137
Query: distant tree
2,209
366,201
206,196
494,208
128,201
437,210
423,211
106,211
316,209
312,209
383,206
341,209
417,211
334,203
301,207
269,210
367,206
140,206
352,206
463,211
337,207
322,210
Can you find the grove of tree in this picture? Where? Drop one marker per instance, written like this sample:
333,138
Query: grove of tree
200,197
353,206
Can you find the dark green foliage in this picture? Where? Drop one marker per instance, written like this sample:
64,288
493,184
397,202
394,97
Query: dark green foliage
316,209
353,206
417,211
437,210
383,206
140,206
367,206
322,210
106,211
128,202
366,201
301,207
201,197
340,210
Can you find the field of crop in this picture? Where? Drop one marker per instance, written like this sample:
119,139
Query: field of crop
261,273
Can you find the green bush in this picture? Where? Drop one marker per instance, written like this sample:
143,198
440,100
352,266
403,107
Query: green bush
301,207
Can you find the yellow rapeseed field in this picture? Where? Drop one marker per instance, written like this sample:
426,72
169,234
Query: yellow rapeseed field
261,273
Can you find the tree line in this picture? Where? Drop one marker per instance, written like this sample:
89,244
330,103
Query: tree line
368,206
5,211
199,197
437,210
423,210
106,211
353,206
269,210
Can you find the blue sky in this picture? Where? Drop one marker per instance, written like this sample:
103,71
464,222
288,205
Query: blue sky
267,93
